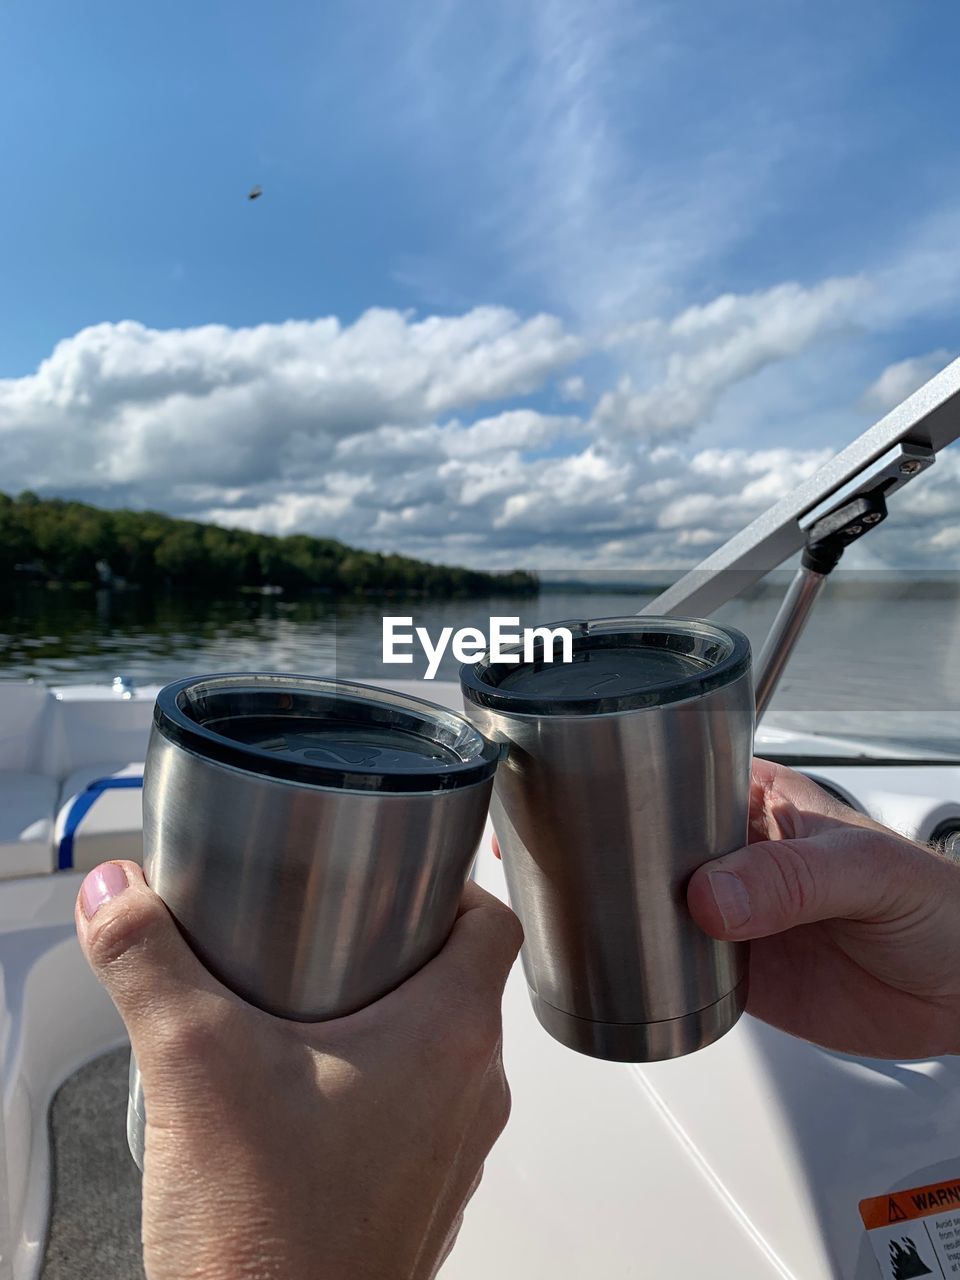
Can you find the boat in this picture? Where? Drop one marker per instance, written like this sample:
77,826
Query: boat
748,1160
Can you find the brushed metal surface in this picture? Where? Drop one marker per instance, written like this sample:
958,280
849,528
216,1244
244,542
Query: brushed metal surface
309,902
136,1114
601,821
643,1041
785,631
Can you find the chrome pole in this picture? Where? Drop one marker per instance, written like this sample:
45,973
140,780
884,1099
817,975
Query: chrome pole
784,633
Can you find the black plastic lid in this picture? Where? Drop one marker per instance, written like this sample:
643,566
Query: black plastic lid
325,733
619,664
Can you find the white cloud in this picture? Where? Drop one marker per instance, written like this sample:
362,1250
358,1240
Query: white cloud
708,349
946,539
511,430
573,388
897,381
698,538
688,509
371,432
123,405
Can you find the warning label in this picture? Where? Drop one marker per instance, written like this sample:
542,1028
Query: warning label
916,1232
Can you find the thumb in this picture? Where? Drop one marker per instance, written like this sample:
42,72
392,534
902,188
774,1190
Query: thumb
135,949
847,873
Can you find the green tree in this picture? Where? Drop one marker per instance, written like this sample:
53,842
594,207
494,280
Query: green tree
66,540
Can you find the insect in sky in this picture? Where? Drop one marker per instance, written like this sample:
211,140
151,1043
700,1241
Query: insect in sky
255,193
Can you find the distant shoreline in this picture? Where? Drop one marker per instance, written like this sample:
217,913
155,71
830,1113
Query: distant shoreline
56,585
61,543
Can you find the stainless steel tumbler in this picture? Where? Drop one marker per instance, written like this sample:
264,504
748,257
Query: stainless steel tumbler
626,769
311,837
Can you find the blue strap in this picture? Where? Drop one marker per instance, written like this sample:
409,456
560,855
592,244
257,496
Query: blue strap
80,806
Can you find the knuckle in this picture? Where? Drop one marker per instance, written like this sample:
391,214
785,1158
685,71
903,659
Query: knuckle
193,1035
484,1035
502,1103
762,803
512,929
471,1038
792,884
119,927
783,817
494,1111
504,935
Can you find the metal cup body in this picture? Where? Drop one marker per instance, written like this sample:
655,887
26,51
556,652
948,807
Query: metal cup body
601,820
309,902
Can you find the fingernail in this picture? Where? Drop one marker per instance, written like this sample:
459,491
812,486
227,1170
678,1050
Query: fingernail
100,885
730,895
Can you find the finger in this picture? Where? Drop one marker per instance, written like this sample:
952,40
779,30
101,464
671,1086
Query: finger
471,970
847,873
496,847
785,805
134,947
487,934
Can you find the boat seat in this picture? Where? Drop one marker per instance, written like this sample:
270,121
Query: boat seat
28,802
100,817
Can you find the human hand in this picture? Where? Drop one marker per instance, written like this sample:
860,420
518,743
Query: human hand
276,1149
856,943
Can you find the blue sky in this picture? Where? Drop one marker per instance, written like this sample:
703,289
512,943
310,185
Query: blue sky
616,166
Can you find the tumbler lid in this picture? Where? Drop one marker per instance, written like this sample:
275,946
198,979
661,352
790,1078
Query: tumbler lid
324,732
618,664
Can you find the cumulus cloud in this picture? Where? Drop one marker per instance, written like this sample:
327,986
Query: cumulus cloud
513,429
407,434
121,404
897,381
708,349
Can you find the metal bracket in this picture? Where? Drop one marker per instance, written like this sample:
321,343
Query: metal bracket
888,474
829,532
928,421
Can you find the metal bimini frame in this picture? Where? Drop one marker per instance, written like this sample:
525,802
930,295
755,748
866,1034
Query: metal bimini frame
842,502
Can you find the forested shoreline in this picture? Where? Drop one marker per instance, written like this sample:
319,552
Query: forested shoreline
57,541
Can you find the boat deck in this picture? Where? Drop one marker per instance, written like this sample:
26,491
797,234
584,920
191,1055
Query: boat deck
663,1182
95,1211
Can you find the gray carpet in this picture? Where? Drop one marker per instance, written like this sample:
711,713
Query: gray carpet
95,1218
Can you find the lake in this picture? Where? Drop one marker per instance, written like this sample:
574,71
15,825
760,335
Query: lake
879,655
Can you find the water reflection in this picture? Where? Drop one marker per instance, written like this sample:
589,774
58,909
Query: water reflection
68,635
878,657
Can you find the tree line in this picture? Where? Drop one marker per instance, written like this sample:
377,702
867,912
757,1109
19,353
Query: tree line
73,542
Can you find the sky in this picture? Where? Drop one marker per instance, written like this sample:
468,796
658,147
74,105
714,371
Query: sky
555,284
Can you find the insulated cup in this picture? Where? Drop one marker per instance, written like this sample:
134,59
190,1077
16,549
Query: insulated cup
310,837
625,769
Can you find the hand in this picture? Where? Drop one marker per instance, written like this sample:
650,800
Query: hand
856,937
283,1149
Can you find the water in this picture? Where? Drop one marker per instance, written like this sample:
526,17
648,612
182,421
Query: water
880,656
